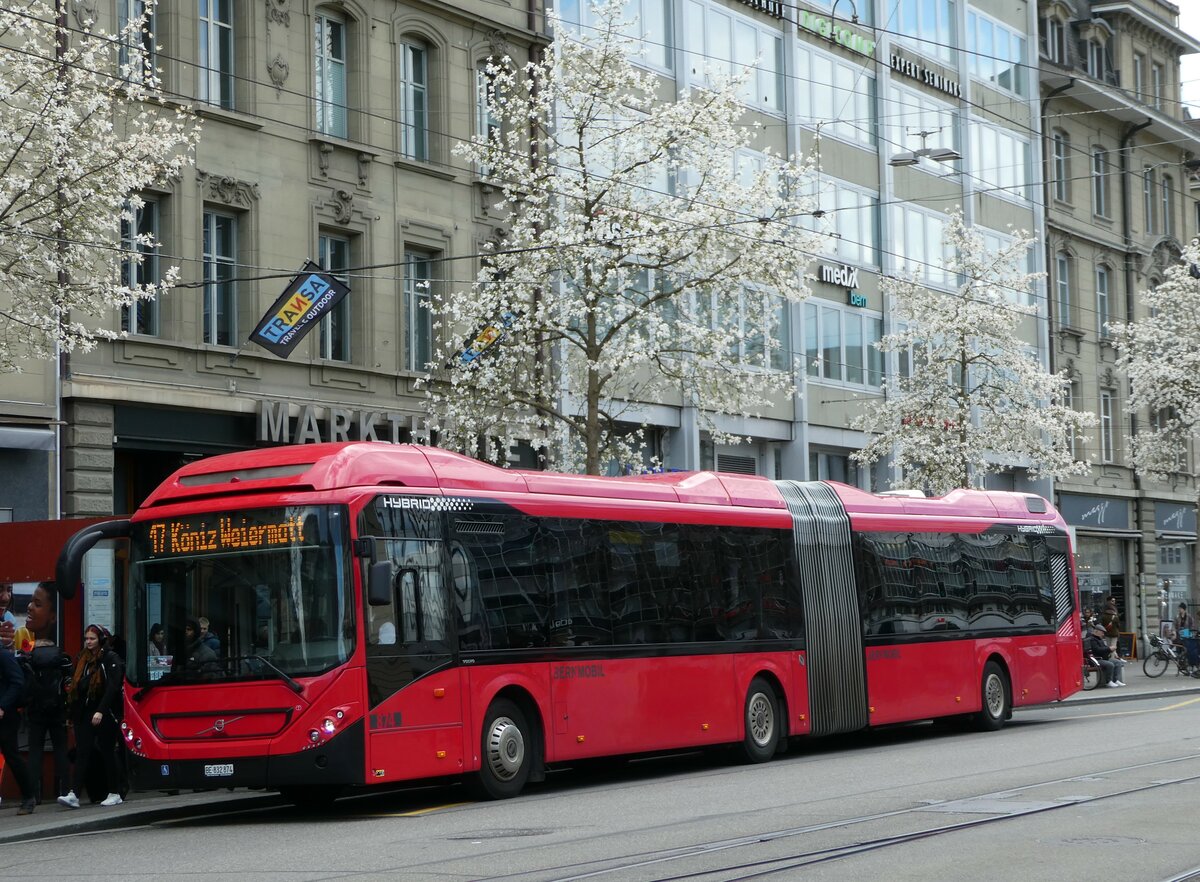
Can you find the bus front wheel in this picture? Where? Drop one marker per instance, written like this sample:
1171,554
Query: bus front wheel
997,699
762,722
506,751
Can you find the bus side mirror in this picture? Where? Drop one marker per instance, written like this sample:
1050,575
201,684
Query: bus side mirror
379,584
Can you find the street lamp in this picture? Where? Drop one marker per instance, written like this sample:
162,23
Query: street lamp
912,157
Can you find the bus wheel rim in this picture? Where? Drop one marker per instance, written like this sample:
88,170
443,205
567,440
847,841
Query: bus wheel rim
995,696
761,719
506,748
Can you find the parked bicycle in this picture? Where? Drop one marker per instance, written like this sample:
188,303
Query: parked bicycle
1163,656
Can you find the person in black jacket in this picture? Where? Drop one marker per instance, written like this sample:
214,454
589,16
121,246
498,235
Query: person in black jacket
46,709
95,710
12,682
1111,665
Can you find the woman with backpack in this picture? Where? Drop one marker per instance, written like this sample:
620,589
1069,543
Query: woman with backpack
95,709
45,702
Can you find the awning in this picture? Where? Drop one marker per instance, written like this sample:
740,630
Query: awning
14,438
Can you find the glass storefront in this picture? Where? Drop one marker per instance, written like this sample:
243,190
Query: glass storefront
1100,565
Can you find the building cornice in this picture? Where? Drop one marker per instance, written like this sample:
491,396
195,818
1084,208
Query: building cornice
1189,44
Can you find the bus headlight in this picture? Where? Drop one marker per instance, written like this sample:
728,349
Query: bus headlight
328,726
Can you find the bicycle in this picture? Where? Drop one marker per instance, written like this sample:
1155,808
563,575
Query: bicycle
1162,656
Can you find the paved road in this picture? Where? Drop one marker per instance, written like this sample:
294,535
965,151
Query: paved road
1102,784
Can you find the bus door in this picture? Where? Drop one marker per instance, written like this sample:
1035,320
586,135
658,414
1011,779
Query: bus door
1067,630
413,689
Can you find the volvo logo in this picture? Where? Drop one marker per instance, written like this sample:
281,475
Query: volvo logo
218,726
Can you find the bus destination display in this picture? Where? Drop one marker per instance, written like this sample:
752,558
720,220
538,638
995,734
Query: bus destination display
226,532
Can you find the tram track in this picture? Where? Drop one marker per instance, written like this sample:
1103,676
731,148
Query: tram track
767,867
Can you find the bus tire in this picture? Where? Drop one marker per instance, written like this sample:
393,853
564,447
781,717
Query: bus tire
996,697
506,751
762,722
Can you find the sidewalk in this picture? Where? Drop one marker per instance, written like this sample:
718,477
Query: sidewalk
51,819
1138,685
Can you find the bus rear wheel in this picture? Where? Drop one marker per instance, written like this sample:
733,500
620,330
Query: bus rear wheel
762,722
997,699
506,747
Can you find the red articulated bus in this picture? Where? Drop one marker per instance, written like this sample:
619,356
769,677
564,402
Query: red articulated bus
382,613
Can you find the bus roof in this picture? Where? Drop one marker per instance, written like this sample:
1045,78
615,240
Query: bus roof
322,467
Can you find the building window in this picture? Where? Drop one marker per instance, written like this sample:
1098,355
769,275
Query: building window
836,94
1100,182
653,36
1062,288
721,44
1095,59
1139,75
852,216
1102,300
216,52
1061,153
329,63
335,327
1069,398
1168,205
828,466
1055,41
1150,197
414,101
418,317
1001,160
1158,85
841,345
139,234
136,54
1107,415
220,286
919,243
911,112
918,21
997,54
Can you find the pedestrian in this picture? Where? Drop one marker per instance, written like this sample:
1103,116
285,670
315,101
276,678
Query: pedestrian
46,708
95,708
1110,621
1112,666
12,683
1185,634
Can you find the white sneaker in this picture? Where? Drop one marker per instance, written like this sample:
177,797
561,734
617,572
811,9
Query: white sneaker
70,800
1119,683
112,799
1113,684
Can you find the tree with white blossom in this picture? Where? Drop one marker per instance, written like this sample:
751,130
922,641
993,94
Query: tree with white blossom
83,129
1160,353
972,399
646,257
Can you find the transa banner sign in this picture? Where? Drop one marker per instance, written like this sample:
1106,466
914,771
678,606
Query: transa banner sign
308,299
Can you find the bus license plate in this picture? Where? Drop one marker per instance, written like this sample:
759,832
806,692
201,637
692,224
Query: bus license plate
219,770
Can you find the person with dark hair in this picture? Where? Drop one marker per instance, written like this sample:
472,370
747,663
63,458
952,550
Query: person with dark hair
95,691
158,640
46,709
12,683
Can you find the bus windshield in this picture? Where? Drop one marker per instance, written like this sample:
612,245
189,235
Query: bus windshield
236,595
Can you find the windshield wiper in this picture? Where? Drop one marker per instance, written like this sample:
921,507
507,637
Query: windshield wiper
296,687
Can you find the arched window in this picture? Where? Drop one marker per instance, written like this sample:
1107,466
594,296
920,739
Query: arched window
1103,300
414,99
1063,300
329,65
1061,172
1100,182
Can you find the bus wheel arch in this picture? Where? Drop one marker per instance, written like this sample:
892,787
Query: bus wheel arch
512,745
764,718
995,695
